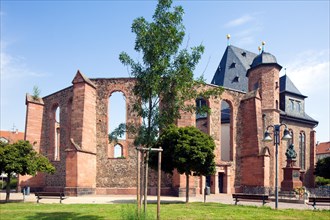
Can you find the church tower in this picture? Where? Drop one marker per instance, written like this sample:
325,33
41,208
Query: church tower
263,78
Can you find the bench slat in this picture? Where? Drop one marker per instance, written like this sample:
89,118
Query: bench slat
50,195
250,197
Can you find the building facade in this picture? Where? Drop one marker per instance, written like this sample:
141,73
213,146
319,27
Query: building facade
71,128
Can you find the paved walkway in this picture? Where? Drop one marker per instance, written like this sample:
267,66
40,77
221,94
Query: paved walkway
111,199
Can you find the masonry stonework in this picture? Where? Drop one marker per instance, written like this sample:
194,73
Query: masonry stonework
86,164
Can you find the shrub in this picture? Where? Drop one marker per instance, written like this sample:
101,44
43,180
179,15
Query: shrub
321,181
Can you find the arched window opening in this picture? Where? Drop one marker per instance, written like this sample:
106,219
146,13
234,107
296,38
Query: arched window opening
302,150
57,132
226,150
201,115
200,108
118,151
117,113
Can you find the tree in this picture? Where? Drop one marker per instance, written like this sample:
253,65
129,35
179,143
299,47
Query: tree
323,168
165,74
188,150
20,158
164,77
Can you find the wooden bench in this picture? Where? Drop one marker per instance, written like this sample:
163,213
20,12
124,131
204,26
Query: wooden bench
314,200
251,197
50,195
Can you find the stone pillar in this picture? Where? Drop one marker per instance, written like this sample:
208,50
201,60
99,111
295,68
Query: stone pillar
33,130
81,155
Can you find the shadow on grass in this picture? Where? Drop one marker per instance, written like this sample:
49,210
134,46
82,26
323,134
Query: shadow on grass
62,215
133,201
11,201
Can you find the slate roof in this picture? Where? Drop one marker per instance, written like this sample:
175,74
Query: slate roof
286,85
231,72
264,58
304,118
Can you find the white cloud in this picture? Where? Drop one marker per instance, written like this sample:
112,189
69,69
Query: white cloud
239,21
13,67
245,28
310,71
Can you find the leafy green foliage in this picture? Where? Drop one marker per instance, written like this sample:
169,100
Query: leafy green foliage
36,93
20,158
321,181
323,168
188,150
164,77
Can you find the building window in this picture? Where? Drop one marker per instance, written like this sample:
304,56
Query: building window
291,104
57,132
118,151
116,112
298,106
302,150
236,79
226,150
232,65
200,108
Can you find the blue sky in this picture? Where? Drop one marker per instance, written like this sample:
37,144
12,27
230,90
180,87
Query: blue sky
44,43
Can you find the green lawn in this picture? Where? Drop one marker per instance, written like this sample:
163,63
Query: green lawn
168,211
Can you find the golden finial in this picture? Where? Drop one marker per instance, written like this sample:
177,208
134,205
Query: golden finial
228,38
263,46
259,48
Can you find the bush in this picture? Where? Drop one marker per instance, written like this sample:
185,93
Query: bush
322,168
321,181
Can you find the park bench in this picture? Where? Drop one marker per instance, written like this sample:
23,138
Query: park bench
50,195
250,197
317,200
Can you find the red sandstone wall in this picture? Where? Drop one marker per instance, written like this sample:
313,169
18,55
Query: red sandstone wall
33,128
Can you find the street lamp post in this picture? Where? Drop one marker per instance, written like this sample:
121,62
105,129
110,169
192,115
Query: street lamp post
268,138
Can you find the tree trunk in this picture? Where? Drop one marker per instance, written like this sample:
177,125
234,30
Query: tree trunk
187,188
8,187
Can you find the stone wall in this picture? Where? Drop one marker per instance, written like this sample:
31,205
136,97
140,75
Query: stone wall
86,163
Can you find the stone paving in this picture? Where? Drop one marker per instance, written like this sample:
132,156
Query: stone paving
112,199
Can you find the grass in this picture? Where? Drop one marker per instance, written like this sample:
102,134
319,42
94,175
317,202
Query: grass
168,211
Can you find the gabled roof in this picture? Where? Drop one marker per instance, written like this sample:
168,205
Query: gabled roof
80,77
286,85
231,72
323,148
12,136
